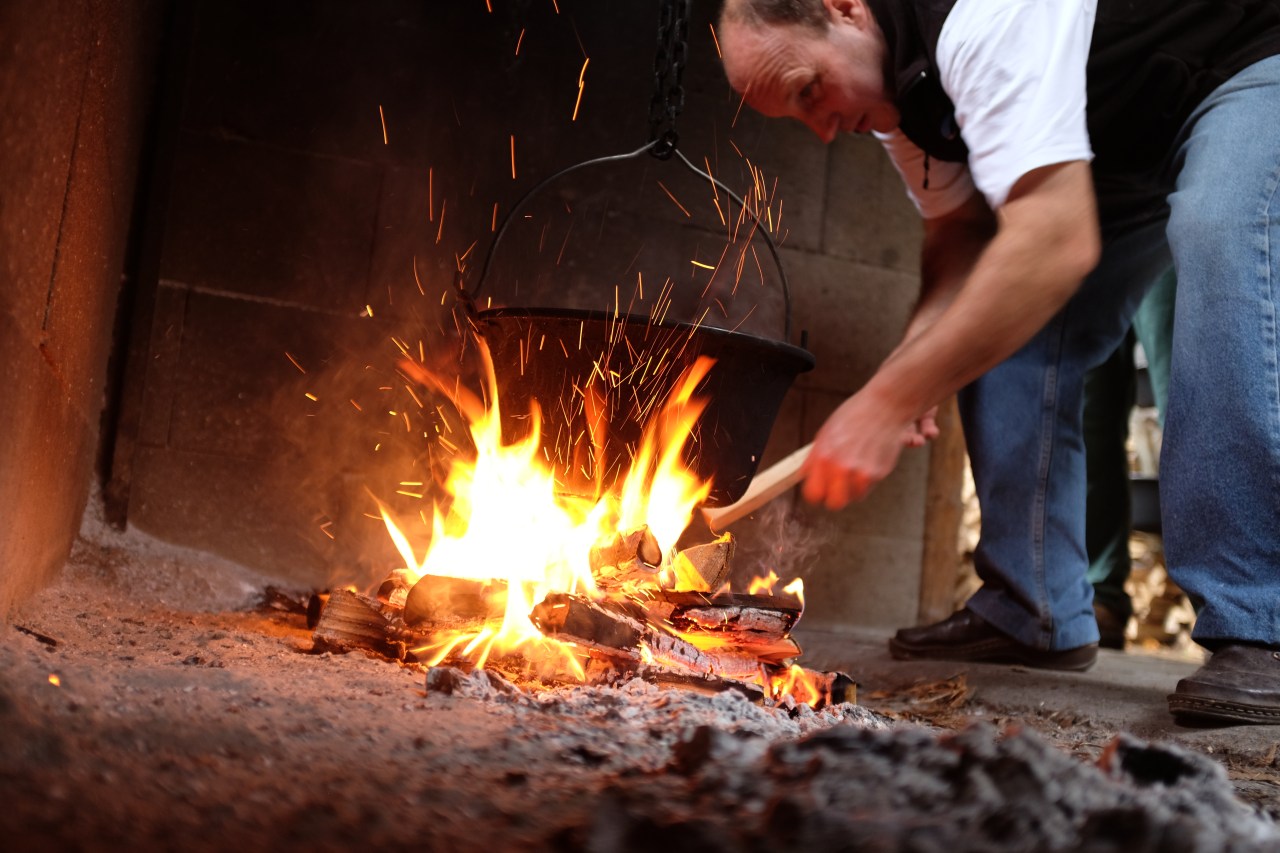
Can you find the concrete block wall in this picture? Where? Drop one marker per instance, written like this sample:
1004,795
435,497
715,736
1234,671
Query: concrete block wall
76,83
291,218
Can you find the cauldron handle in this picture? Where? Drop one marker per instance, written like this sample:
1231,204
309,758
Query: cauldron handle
468,299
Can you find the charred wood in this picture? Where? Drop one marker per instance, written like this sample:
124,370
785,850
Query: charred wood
395,589
351,620
612,628
796,684
701,682
454,603
762,623
590,624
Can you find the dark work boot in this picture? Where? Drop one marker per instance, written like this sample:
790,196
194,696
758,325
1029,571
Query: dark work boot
1238,684
965,636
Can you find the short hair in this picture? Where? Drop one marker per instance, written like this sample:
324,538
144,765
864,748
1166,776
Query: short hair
806,13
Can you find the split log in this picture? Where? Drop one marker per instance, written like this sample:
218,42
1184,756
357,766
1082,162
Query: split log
608,628
354,621
705,567
672,651
817,689
634,556
699,682
588,623
437,602
735,618
395,589
639,544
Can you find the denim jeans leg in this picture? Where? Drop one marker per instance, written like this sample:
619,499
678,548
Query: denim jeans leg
1220,464
1022,424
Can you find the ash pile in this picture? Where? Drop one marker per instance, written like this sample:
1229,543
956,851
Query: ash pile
682,771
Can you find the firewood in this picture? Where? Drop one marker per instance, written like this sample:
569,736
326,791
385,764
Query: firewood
613,629
673,651
702,682
456,603
753,618
395,589
631,557
639,544
588,623
705,567
350,621
817,689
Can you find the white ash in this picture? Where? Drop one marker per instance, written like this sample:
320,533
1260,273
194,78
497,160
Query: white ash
721,773
848,788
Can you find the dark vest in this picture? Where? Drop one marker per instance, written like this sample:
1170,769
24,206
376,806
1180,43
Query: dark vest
1150,63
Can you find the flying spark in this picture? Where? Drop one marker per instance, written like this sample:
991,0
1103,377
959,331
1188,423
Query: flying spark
581,84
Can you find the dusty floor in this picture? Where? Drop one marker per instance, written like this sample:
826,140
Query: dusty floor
149,702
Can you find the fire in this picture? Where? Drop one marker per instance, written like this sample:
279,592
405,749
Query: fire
798,683
507,519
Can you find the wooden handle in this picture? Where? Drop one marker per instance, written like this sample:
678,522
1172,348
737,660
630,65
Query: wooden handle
767,485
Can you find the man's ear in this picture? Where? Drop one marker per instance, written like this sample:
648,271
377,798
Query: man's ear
846,11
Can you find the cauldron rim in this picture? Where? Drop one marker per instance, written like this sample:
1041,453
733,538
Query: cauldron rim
804,360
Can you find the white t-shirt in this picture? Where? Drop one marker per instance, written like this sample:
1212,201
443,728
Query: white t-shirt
1015,71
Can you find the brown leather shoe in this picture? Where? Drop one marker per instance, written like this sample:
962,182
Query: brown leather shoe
965,636
1238,684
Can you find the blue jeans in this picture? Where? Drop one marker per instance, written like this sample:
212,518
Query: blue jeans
1220,470
1220,464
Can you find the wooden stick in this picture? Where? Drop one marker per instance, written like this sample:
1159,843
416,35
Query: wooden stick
778,478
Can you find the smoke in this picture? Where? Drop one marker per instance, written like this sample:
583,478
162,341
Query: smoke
777,539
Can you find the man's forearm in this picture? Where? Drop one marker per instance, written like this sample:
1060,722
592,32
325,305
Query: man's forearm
1046,243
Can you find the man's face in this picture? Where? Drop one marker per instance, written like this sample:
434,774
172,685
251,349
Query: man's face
832,80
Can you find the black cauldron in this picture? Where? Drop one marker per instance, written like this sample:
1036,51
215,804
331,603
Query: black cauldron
552,356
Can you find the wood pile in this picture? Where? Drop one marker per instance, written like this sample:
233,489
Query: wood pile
701,637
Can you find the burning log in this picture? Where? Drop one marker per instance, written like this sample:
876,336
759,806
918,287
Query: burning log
455,603
354,621
606,627
817,689
589,624
705,567
632,556
756,624
730,613
701,682
395,589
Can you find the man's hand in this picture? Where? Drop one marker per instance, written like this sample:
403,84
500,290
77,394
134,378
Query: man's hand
857,448
924,430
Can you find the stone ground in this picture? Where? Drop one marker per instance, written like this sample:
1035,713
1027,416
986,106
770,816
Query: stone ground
151,702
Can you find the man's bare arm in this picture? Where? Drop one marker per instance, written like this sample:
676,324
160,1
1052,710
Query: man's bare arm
1045,243
952,245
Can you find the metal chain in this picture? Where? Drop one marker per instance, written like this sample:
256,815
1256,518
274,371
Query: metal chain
668,75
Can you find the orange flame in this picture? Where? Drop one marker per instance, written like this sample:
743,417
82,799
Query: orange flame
506,519
799,683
